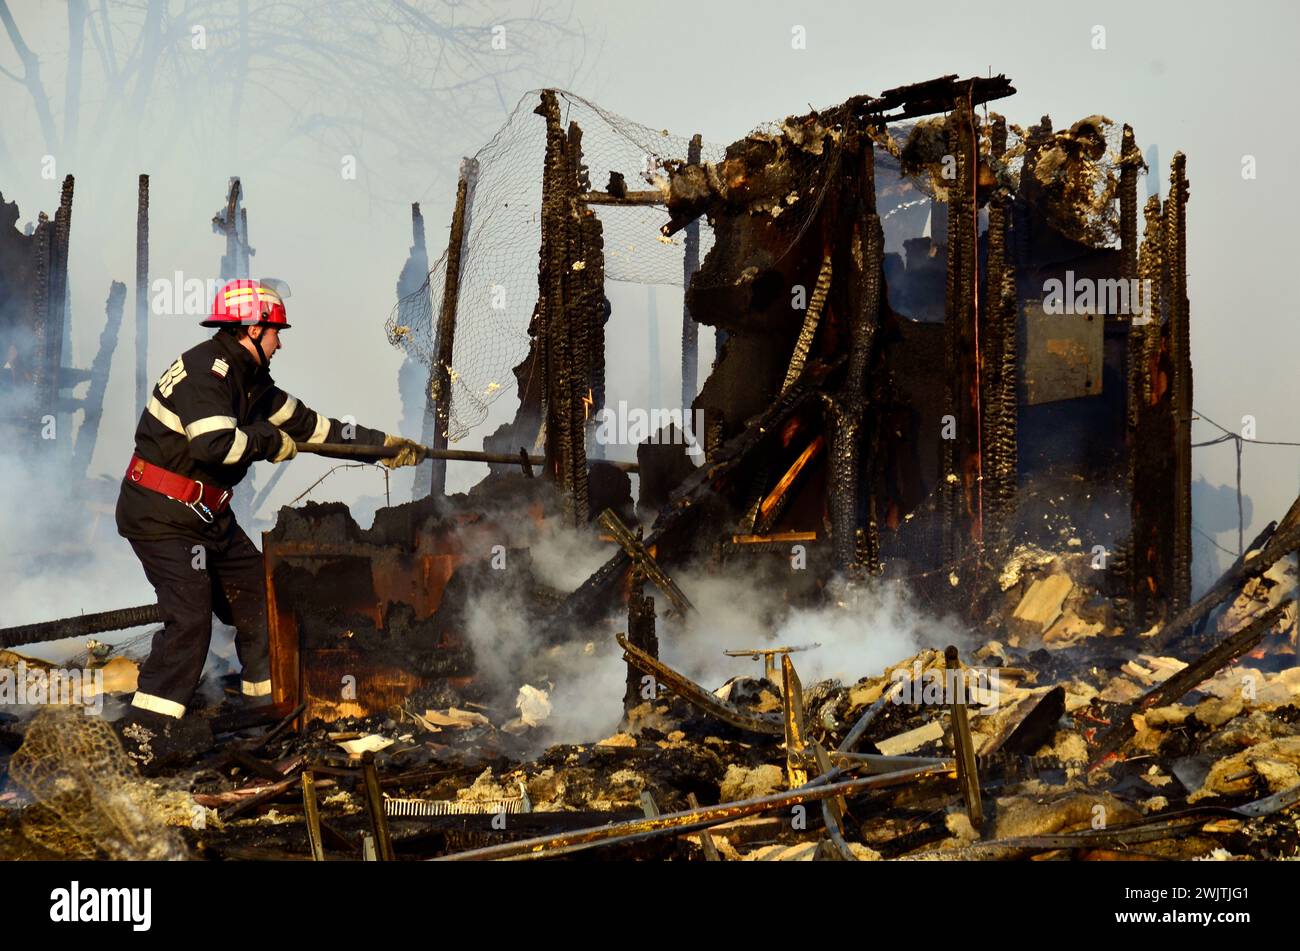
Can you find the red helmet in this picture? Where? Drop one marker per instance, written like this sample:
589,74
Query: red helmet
247,303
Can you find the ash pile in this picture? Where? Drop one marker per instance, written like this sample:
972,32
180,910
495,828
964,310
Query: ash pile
908,577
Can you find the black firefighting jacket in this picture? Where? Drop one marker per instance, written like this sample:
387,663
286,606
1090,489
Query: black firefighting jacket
212,414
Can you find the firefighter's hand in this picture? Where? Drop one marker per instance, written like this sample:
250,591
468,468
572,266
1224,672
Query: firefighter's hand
288,448
410,452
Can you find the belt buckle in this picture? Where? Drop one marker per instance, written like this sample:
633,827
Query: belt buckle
197,506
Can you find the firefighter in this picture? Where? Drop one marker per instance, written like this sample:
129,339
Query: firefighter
212,414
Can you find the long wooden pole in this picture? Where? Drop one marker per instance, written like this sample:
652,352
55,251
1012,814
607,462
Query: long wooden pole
445,341
690,329
142,296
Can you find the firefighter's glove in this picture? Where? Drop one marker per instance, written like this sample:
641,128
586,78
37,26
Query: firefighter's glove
409,452
288,448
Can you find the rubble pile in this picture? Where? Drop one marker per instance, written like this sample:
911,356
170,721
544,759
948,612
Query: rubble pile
1212,773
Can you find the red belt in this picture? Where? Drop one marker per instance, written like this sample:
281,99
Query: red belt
205,500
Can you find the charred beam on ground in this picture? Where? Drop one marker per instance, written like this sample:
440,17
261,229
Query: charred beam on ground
1201,669
696,695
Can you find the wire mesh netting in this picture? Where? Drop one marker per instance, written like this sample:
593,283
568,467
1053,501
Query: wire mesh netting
1076,169
89,799
498,278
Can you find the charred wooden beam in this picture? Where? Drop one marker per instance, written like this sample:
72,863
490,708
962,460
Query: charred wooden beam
1130,162
44,383
706,841
88,431
440,392
1282,542
142,378
930,97
960,488
591,312
641,635
49,303
592,596
868,717
774,503
1204,667
999,396
811,319
644,562
564,309
963,743
653,197
375,807
855,549
876,763
58,302
696,695
227,223
1181,358
690,264
81,625
1145,558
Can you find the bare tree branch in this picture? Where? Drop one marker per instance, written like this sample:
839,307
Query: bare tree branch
31,77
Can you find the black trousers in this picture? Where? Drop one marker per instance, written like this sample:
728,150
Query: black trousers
193,581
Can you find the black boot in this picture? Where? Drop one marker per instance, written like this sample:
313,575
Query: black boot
155,742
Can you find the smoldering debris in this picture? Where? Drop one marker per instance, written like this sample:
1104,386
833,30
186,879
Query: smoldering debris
1207,769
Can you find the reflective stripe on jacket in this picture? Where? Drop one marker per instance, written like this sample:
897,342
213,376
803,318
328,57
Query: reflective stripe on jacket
211,415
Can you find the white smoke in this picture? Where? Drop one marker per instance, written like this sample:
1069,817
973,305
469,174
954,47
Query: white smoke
858,633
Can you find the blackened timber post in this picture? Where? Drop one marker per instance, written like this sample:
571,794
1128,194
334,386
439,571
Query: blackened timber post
1181,357
440,385
854,548
962,456
142,295
690,329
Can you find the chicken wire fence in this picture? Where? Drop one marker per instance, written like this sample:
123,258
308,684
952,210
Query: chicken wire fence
498,268
88,798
